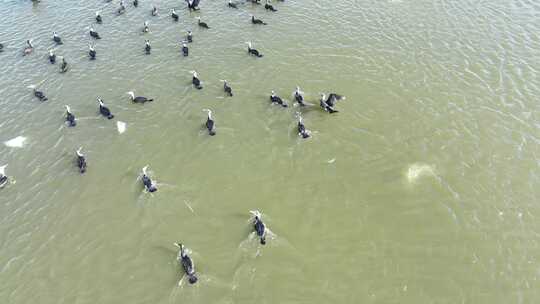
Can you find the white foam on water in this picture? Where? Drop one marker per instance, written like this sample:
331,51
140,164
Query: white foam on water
417,170
121,126
17,142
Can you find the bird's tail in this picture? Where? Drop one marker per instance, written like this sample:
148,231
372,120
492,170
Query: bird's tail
110,116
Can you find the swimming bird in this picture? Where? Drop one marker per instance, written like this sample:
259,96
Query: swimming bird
39,94
147,47
121,9
193,5
232,4
227,88
210,125
255,1
185,49
328,103
103,110
52,57
299,96
276,99
187,263
302,131
269,7
29,48
189,37
94,34
91,52
154,11
195,80
70,118
257,21
138,99
202,24
81,161
174,15
258,226
145,27
57,39
253,51
63,66
1,47
98,18
3,177
147,182
135,3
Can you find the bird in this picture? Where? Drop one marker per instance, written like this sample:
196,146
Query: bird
57,39
299,96
94,34
121,9
174,15
185,49
1,47
232,4
135,3
147,47
103,110
227,88
195,80
29,48
253,51
255,1
52,57
276,99
210,125
63,66
70,118
193,5
98,18
269,7
189,37
81,161
3,177
147,182
202,24
91,52
258,226
145,27
154,11
257,21
139,99
39,94
302,131
327,104
187,263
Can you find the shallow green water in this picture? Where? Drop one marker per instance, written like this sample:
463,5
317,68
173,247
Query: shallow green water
423,189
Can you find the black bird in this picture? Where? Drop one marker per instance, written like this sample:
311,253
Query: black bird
139,99
189,37
276,99
299,97
154,11
227,88
147,182
121,9
145,27
52,57
325,106
1,47
253,51
91,52
195,80
98,18
328,103
193,5
259,227
104,110
187,263
94,34
210,123
3,177
57,39
147,47
135,3
63,66
232,4
39,94
174,15
185,49
255,1
257,21
269,7
81,161
202,24
70,118
302,131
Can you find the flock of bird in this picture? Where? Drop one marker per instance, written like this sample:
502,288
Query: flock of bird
327,103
